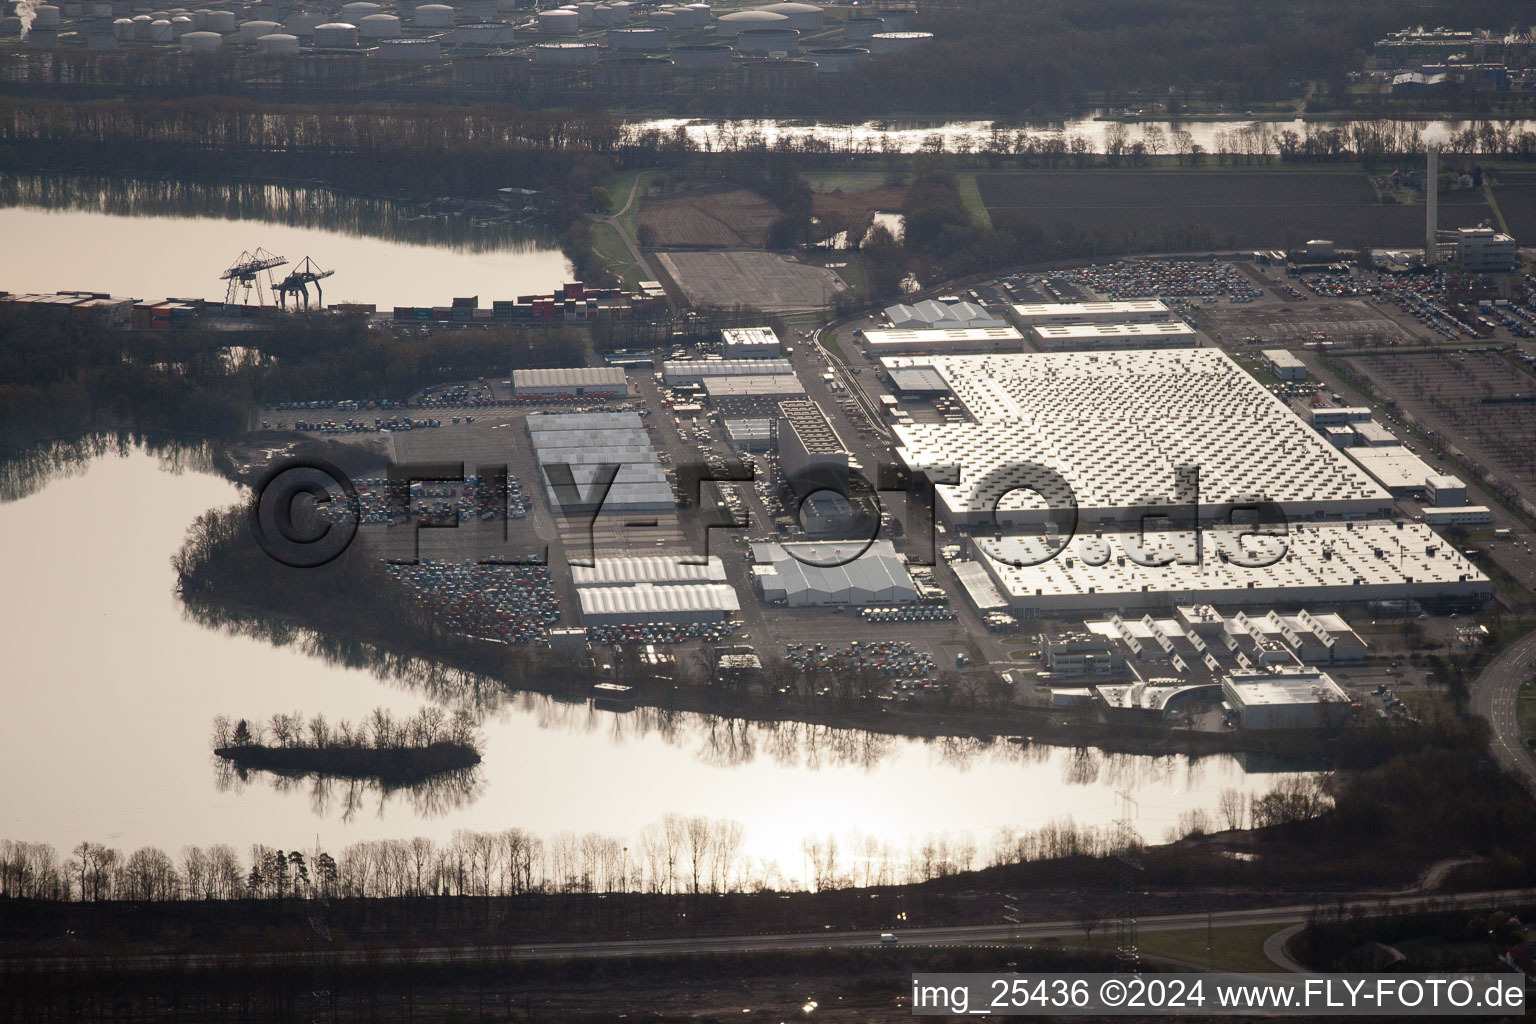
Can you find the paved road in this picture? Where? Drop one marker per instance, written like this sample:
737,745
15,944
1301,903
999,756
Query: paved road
1494,694
963,935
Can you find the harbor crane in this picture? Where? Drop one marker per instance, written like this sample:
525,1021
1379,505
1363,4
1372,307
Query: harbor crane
246,273
298,281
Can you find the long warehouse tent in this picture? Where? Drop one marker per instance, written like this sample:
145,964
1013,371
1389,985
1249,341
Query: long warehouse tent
684,602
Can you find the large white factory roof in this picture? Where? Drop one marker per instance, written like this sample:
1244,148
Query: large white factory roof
1116,425
586,377
1258,687
586,442
748,336
938,338
684,371
932,313
645,600
1113,335
1356,561
1394,467
1120,310
1283,359
631,570
777,385
838,573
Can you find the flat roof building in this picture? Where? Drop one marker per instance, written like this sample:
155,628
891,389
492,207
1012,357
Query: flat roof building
1099,336
635,570
586,446
1445,491
574,380
1374,435
1293,698
1284,365
1396,468
693,371
1462,515
934,340
749,343
759,385
642,603
811,455
830,573
932,313
1120,311
1484,250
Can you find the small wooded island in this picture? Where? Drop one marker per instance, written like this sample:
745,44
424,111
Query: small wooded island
397,753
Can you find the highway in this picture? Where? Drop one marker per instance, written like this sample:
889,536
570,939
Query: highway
962,935
1494,694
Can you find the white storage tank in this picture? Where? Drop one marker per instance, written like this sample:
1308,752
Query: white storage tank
767,40
559,23
278,44
433,16
897,18
858,30
895,42
201,42
161,32
565,54
837,59
664,20
251,31
484,34
730,25
586,14
159,15
622,10
700,55
122,29
700,14
639,39
408,49
45,18
222,22
200,18
303,23
354,13
181,24
380,26
336,35
802,17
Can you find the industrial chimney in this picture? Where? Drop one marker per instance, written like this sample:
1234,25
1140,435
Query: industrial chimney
1432,206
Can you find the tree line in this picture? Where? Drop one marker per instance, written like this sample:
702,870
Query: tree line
379,730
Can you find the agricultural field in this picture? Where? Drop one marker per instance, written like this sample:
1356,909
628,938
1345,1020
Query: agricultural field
707,217
1238,209
1342,320
762,280
1477,401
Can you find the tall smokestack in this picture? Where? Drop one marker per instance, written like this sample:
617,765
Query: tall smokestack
1432,206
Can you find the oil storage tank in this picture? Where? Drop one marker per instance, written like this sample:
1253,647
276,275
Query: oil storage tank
898,19
484,34
776,74
336,35
559,23
354,13
831,60
379,26
695,56
160,31
432,16
882,43
802,17
640,39
201,42
222,22
730,25
278,44
767,40
552,55
250,31
408,49
302,23
633,74
858,30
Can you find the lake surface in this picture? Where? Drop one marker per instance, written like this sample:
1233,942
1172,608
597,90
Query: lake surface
111,688
154,240
962,136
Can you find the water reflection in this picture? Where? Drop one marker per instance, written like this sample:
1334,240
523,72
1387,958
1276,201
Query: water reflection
342,798
26,472
279,204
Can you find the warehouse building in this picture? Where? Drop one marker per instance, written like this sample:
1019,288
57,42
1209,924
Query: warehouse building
1311,564
811,455
1115,427
1459,515
694,371
917,380
749,343
643,603
750,433
758,386
1284,365
587,444
931,313
1485,251
574,380
1101,336
830,573
1374,435
937,340
648,570
1445,491
1077,653
1395,468
1294,698
1125,311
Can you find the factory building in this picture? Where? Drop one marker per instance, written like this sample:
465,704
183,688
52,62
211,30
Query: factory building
1445,491
575,381
830,573
1115,427
1374,435
749,343
1077,653
1459,515
1395,468
750,433
1102,336
1123,311
1484,250
643,603
931,313
1294,698
1312,564
1284,365
586,445
648,570
722,389
937,340
811,455
693,371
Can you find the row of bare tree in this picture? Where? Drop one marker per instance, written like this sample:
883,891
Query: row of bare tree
380,730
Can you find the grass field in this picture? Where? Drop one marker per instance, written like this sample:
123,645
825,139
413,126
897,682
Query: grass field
1239,208
843,181
734,218
1232,949
615,254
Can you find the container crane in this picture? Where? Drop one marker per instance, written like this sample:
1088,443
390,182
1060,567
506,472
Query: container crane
246,273
298,281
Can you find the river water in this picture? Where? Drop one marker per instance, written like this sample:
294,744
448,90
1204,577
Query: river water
154,240
111,688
